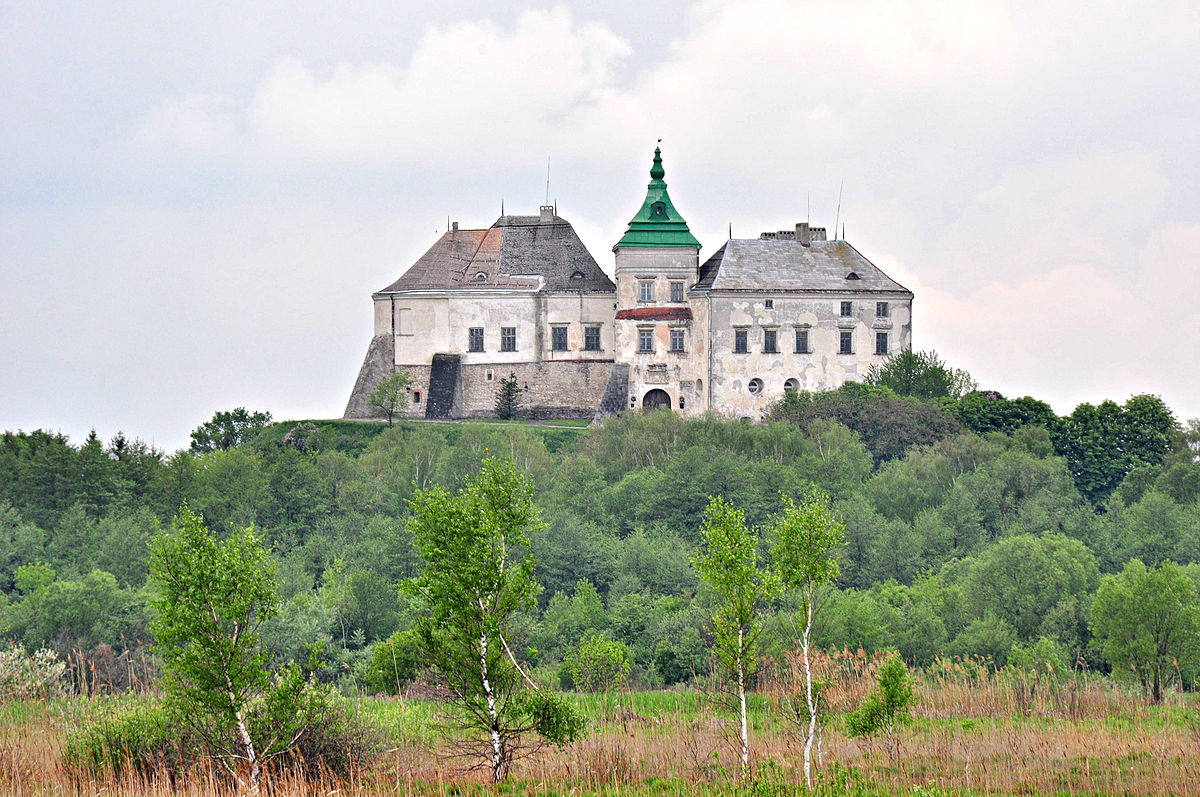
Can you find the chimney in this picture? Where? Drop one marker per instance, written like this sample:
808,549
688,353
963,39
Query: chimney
802,233
454,226
547,214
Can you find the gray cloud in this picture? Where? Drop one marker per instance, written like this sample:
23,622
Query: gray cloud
201,201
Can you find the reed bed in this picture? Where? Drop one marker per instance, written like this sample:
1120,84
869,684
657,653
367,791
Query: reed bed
974,730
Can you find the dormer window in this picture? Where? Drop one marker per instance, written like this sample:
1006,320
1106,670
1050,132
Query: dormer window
578,275
481,276
658,210
853,276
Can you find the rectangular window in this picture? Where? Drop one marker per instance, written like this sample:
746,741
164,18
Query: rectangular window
475,339
770,341
801,341
645,340
881,343
845,341
677,291
847,309
558,338
676,340
768,304
645,291
591,338
881,310
508,338
740,345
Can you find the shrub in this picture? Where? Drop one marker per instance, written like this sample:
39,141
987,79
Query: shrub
393,663
598,664
139,738
30,676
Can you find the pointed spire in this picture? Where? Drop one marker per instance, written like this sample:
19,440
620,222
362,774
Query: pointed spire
658,223
656,171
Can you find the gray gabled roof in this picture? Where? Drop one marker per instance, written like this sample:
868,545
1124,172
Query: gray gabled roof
515,253
774,264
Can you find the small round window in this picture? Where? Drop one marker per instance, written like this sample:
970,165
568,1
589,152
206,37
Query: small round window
791,384
755,386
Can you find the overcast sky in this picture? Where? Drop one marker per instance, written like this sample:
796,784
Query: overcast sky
197,202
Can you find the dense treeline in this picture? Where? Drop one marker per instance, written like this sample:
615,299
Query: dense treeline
974,525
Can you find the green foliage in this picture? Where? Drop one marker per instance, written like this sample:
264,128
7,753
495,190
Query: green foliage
1021,579
394,663
889,707
889,425
227,429
508,396
922,374
477,575
1103,443
1147,621
551,717
729,567
141,738
390,396
598,664
210,600
984,411
805,538
1044,658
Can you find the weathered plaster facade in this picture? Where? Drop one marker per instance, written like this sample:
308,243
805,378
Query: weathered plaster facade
789,309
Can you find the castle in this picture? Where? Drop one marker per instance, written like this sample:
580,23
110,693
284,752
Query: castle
786,310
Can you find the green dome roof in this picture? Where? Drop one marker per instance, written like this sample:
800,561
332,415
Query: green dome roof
658,223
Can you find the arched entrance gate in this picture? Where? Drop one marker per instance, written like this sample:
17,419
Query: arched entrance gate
656,399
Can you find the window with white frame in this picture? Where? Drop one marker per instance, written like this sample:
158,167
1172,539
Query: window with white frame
645,339
677,340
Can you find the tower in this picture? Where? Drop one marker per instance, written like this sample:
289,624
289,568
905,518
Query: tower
657,329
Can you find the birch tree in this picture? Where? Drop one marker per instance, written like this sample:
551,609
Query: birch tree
805,539
730,567
211,598
477,574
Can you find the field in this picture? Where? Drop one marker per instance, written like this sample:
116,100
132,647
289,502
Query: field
973,731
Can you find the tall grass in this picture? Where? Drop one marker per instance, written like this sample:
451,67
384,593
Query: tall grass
975,730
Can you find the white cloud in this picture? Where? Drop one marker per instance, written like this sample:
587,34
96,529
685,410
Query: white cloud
472,91
197,121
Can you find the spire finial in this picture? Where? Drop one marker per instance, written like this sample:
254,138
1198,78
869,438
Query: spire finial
656,171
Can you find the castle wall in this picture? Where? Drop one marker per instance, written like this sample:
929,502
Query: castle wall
824,368
548,389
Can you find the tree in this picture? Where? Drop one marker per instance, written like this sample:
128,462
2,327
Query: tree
508,396
227,430
598,664
729,566
1147,621
477,575
922,374
888,707
391,395
806,538
211,598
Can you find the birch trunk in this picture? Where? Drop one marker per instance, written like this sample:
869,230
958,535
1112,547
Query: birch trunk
741,673
497,751
812,708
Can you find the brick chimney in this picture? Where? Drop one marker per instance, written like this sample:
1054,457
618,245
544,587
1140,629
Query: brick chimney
547,214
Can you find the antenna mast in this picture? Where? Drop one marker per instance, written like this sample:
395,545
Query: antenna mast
547,202
841,185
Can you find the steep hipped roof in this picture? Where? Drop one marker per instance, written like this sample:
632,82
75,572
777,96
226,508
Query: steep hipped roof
768,265
658,223
516,253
